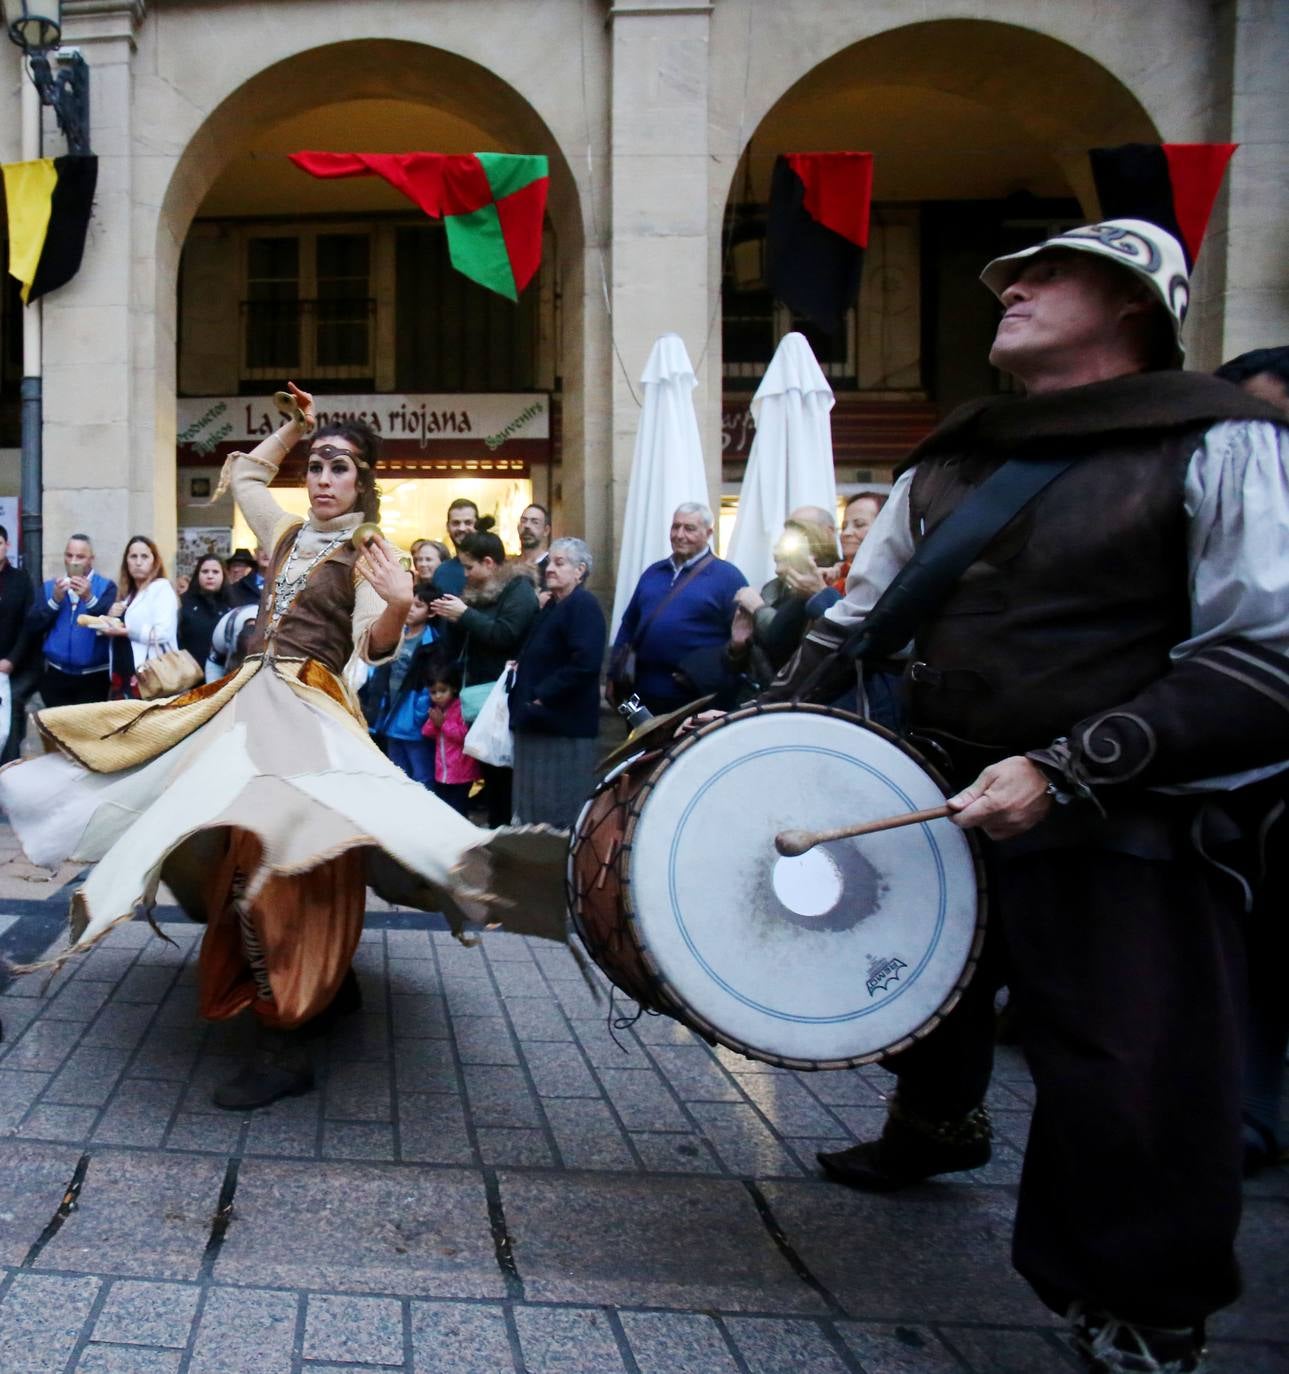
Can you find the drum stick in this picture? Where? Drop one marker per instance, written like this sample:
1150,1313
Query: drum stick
791,843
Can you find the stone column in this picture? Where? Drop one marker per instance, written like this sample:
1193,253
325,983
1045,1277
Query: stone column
659,199
98,476
1255,310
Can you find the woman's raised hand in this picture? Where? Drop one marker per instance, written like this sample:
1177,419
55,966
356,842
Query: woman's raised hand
378,564
305,401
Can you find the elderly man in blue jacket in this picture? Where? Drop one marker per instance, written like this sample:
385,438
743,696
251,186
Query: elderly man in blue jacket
681,604
76,658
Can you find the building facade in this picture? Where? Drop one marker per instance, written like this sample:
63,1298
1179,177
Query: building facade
214,270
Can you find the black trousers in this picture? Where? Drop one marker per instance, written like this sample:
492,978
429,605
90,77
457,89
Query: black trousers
72,689
498,788
1128,977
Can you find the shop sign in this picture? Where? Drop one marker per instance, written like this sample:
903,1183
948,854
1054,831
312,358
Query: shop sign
737,429
210,424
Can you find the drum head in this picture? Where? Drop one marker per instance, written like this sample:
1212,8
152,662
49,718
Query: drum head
836,957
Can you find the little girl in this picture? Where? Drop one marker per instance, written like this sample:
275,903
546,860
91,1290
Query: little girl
454,769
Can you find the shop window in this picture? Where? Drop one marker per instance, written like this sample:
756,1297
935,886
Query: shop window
308,308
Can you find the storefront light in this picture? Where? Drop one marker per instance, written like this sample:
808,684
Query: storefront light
36,28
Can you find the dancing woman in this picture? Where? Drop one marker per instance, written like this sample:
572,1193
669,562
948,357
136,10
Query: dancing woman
259,799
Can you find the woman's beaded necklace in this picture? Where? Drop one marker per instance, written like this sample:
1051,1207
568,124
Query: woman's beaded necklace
287,588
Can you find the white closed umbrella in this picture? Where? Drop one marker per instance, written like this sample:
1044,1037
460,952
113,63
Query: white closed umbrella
791,460
667,470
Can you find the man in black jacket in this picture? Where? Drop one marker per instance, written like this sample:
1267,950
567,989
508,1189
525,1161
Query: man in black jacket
1107,685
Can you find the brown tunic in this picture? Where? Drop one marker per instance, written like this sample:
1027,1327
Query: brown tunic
1073,606
319,624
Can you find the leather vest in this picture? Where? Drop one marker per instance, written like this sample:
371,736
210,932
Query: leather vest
1072,608
319,624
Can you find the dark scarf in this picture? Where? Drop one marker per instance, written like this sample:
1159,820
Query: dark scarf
1139,402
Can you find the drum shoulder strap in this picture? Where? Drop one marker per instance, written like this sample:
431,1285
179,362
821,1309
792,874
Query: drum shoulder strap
923,583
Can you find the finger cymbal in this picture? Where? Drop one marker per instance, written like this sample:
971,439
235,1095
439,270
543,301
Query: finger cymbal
653,733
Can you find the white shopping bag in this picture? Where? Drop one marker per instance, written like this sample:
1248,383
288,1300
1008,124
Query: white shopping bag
489,739
6,706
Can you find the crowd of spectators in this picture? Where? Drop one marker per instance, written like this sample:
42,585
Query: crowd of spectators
693,629
478,619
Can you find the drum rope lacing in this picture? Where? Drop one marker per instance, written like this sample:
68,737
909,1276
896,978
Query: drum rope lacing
616,942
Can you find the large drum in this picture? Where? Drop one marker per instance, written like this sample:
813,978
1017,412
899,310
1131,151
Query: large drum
835,958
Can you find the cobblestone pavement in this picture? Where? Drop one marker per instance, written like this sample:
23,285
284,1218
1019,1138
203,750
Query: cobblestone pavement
486,1181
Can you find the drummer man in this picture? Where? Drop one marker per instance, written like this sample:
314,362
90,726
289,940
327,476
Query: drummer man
1111,678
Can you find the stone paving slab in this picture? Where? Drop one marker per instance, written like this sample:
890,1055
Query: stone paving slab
142,1214
360,1228
636,1241
41,1318
461,1337
33,1178
935,1253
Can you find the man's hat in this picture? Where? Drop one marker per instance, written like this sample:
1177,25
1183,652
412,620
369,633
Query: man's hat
244,557
1146,250
1156,200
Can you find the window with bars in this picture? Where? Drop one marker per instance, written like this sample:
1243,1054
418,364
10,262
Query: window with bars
308,308
454,335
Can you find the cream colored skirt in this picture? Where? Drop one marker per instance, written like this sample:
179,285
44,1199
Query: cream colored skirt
269,754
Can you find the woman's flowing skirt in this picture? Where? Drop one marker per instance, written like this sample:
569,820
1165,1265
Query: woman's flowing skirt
148,792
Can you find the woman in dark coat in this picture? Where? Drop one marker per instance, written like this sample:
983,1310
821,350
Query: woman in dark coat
492,620
202,607
555,700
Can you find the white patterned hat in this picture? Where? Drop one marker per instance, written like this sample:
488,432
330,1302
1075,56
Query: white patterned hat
1146,250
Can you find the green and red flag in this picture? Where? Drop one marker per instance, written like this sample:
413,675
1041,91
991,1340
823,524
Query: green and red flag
491,204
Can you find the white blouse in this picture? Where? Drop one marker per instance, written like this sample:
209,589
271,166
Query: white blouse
152,618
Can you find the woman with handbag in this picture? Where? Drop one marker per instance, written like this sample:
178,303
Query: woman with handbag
493,617
260,796
148,612
555,700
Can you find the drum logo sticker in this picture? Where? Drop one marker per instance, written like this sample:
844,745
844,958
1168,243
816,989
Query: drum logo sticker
883,972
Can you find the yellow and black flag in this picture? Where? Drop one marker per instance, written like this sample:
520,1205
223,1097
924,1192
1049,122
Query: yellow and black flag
49,203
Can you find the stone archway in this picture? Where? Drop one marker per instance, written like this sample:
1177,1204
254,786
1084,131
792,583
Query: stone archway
441,101
961,119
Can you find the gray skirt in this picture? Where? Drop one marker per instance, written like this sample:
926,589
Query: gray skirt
553,778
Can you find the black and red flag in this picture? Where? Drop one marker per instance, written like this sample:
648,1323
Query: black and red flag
1172,185
817,232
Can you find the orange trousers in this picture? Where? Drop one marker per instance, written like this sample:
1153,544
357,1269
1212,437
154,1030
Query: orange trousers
286,953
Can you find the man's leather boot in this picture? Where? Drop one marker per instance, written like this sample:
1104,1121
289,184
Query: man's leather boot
278,1067
912,1148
